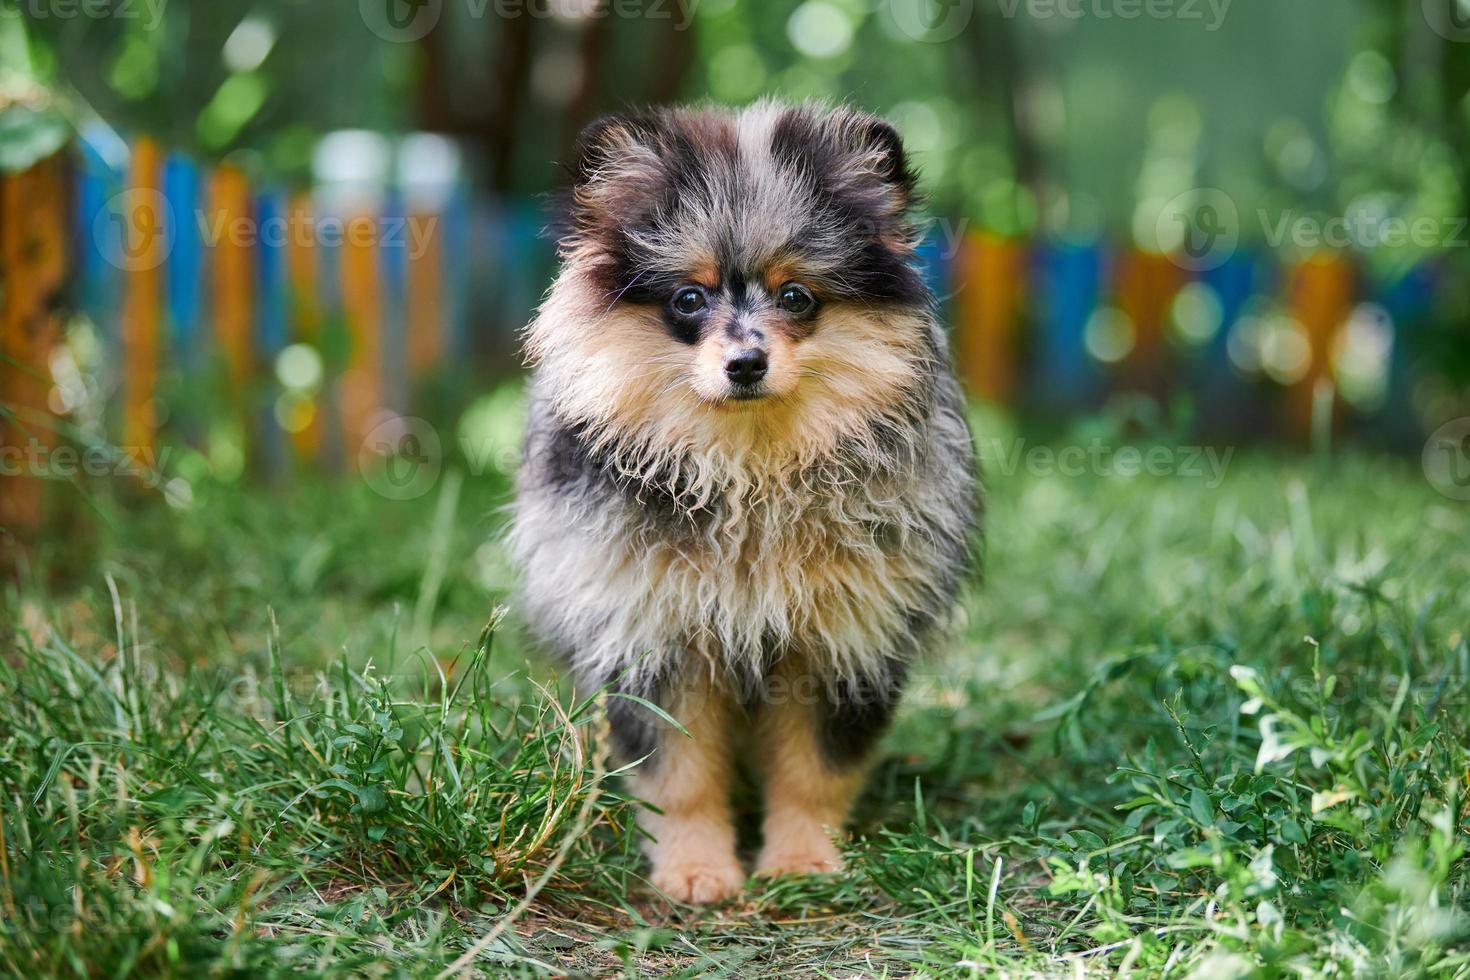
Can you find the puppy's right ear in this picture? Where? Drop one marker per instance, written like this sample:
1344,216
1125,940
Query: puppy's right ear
610,141
617,177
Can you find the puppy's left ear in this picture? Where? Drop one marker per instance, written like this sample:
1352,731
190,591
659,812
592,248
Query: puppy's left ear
879,152
872,176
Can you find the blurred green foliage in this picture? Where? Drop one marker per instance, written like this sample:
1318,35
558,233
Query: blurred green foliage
222,75
1022,113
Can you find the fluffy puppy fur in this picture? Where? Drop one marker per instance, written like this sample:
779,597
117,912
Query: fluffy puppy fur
748,487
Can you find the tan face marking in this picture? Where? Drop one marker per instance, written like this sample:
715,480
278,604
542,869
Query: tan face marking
779,274
706,274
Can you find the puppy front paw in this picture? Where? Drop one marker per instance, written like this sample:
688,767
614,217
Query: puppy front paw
699,881
811,852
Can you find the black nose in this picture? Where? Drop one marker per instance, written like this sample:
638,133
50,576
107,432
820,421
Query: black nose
746,367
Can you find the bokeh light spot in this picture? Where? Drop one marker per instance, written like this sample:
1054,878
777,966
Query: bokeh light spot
819,29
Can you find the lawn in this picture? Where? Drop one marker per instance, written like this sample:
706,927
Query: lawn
1187,726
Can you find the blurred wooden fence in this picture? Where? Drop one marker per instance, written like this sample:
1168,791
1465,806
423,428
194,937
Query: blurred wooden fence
302,316
33,267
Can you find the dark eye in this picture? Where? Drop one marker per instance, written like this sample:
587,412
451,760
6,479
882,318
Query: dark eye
689,302
796,299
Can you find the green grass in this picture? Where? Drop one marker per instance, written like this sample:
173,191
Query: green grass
1183,730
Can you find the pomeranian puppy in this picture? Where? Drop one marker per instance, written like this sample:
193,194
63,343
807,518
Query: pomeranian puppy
748,487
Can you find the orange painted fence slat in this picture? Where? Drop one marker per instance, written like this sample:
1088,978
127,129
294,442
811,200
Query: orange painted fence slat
33,210
232,286
1320,296
991,286
1147,283
425,299
362,305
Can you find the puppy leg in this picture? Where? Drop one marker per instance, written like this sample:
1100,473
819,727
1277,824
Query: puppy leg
688,779
813,744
